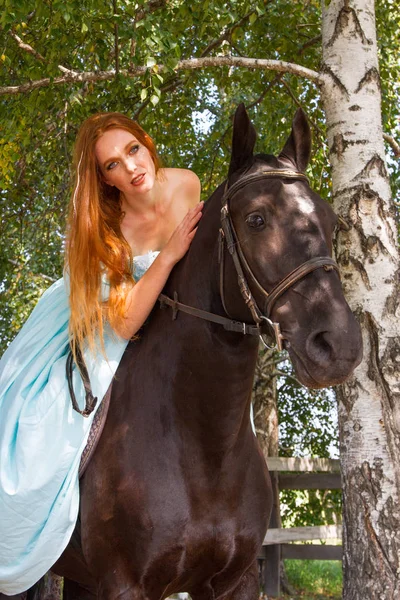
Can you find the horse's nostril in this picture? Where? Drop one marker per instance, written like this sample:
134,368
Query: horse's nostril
321,341
320,348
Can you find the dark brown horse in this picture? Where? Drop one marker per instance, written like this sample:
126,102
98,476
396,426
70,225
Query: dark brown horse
177,496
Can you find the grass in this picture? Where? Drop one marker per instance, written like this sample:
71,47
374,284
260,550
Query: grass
314,579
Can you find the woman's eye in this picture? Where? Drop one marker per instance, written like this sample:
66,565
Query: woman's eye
255,221
134,149
111,166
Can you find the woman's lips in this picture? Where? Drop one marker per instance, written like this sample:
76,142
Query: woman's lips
138,180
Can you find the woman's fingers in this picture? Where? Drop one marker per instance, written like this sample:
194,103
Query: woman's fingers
195,219
196,209
185,232
190,220
194,215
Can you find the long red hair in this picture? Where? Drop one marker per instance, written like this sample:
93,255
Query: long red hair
95,245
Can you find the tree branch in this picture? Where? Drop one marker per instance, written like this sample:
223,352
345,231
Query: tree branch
311,42
27,47
22,265
393,144
298,103
288,376
227,31
261,97
175,81
188,64
152,6
168,86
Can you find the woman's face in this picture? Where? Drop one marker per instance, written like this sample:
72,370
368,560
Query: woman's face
124,162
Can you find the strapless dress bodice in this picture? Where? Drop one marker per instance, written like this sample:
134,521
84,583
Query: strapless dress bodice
142,262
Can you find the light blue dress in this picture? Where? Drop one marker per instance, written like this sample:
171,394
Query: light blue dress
42,437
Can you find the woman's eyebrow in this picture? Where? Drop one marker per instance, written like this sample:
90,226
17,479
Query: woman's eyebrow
127,147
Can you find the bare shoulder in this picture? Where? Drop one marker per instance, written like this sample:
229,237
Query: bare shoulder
184,185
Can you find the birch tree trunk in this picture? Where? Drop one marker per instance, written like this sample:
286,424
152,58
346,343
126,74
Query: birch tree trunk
265,410
369,403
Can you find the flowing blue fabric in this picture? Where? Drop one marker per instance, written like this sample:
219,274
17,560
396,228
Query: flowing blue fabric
42,437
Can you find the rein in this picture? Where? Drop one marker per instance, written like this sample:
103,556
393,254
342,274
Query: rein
228,237
90,400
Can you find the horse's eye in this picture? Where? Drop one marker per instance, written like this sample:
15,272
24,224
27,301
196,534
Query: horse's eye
255,221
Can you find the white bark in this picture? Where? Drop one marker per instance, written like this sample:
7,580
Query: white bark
369,404
265,409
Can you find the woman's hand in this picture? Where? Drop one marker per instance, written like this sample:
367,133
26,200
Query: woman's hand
179,242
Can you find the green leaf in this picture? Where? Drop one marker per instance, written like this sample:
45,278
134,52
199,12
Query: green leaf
253,18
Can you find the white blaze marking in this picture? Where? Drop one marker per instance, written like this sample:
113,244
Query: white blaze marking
305,204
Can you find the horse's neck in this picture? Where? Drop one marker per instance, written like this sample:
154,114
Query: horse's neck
214,368
211,381
195,279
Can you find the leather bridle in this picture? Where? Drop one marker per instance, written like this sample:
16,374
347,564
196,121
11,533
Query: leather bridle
228,239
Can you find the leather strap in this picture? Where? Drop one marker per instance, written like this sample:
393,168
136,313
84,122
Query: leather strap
90,400
221,261
228,324
234,250
311,265
259,176
232,246
96,430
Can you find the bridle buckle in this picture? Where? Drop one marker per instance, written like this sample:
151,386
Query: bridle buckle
277,334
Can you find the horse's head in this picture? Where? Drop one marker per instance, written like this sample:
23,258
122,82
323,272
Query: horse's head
281,228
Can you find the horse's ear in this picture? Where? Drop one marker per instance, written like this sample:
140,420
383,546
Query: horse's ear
298,145
243,140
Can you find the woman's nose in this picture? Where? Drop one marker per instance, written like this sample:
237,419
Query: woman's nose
131,164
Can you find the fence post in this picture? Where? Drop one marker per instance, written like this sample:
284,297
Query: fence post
272,553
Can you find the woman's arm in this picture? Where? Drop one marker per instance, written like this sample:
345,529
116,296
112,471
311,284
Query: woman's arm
142,297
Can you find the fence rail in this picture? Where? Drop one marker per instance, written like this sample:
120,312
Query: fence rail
298,474
302,534
279,463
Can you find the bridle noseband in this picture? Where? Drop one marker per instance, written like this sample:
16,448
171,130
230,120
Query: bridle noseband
228,237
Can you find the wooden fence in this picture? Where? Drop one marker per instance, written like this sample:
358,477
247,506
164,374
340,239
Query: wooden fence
298,474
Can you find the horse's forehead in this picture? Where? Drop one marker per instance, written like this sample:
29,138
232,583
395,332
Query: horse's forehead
296,197
304,203
300,199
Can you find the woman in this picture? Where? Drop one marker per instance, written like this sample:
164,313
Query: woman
130,222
